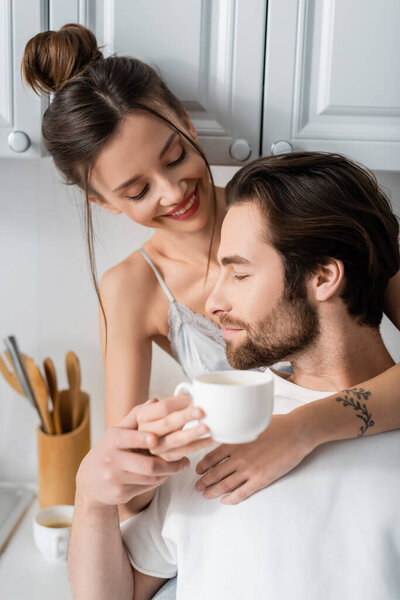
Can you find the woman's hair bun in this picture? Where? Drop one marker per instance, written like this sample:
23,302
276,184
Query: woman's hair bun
52,58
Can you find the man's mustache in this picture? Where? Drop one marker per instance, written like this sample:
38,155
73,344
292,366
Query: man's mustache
226,321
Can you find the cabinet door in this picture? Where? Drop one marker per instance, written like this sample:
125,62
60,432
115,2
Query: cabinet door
20,109
211,55
332,79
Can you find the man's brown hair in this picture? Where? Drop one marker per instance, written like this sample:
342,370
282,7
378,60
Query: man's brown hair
320,206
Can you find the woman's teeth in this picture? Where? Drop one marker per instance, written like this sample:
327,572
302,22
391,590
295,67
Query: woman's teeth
188,205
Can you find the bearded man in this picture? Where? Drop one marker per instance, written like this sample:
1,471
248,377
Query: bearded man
308,245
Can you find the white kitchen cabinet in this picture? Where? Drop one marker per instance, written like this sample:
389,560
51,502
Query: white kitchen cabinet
20,109
332,79
327,78
210,53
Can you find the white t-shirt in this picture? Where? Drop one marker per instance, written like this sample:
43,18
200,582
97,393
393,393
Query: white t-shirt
328,529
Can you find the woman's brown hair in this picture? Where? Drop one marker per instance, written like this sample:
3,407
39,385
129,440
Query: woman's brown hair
318,206
92,96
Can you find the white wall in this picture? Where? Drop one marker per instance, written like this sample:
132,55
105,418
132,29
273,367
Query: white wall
47,300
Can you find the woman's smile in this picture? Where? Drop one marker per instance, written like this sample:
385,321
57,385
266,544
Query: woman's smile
187,208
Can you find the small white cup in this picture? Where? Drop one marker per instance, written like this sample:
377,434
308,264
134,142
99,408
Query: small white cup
51,530
237,404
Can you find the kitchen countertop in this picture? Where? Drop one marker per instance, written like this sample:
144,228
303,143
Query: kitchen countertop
25,572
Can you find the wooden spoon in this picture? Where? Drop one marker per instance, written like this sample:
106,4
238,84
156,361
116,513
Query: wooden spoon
51,378
40,390
74,381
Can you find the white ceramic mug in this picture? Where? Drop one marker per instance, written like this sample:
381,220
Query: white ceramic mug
51,530
237,404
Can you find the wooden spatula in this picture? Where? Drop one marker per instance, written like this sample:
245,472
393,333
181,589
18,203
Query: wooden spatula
40,390
51,378
74,381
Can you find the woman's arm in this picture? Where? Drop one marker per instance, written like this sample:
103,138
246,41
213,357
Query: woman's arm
127,293
289,438
376,401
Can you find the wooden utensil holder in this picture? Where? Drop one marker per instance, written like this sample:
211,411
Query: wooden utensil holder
59,457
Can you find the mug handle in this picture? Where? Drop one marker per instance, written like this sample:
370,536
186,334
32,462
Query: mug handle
185,387
57,546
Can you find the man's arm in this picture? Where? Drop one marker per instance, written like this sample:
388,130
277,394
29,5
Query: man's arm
98,563
118,468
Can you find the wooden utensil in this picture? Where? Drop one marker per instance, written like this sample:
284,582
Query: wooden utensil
10,376
74,382
39,387
22,374
51,378
40,391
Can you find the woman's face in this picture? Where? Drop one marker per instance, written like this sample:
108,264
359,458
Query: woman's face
153,175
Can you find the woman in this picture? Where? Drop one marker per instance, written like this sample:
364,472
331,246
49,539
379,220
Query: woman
117,132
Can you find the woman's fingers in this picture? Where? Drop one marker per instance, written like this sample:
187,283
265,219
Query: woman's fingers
212,458
224,469
241,493
227,485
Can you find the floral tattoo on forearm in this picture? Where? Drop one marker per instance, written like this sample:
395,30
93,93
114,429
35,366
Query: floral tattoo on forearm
355,398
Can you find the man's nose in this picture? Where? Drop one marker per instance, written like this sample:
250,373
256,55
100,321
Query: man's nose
217,301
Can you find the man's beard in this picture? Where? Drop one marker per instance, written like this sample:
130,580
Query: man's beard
291,326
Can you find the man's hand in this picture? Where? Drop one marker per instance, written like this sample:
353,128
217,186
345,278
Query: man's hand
240,470
120,467
166,418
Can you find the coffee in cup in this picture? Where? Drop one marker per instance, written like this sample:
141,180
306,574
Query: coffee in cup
52,529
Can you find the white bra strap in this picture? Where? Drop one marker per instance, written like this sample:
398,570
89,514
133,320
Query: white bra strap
157,274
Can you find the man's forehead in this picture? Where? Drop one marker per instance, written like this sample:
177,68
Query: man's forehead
242,232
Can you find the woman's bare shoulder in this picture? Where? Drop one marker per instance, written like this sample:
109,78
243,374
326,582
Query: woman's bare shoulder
132,273
130,288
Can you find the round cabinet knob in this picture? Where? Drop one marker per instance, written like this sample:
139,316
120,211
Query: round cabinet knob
240,150
281,147
18,141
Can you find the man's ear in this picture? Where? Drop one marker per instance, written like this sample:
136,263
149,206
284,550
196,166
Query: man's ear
328,281
190,126
105,205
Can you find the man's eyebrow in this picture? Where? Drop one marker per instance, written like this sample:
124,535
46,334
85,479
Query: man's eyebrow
135,177
234,260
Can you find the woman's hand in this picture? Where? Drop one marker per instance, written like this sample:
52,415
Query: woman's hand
120,467
166,418
240,470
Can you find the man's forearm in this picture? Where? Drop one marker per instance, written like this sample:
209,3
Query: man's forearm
98,565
